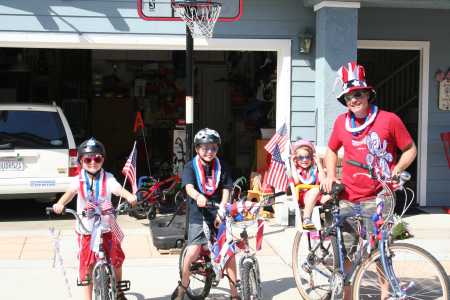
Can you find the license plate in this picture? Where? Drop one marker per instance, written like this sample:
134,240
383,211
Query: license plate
11,165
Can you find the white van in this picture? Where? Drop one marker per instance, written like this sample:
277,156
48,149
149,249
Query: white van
37,151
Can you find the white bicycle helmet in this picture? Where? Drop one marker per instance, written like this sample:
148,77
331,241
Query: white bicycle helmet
207,136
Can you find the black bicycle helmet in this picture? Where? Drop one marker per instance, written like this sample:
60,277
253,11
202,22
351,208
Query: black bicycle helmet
91,146
207,136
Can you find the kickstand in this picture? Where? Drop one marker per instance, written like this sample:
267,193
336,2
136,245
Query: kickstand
175,214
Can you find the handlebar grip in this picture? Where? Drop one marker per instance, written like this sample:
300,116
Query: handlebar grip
277,194
358,164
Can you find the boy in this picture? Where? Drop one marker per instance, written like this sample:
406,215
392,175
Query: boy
205,178
94,187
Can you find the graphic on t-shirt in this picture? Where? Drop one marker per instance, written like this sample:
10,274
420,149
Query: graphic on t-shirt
378,157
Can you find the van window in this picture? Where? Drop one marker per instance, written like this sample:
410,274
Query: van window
31,129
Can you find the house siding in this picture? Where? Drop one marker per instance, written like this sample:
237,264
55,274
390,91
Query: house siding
420,25
283,19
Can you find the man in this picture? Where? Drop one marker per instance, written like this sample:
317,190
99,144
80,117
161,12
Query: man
370,136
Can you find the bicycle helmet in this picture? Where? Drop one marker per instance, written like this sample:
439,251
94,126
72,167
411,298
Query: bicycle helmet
207,136
303,143
91,146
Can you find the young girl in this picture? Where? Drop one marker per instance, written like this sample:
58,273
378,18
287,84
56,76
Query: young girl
307,170
94,187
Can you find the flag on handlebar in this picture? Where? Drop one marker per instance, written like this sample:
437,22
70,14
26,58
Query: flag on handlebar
129,170
224,247
276,176
259,234
280,138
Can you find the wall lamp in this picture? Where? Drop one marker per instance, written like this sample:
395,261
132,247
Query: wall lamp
305,41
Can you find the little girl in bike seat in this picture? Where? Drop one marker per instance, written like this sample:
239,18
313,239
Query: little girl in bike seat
93,187
307,170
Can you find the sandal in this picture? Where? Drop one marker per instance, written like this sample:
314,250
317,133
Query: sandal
308,224
179,292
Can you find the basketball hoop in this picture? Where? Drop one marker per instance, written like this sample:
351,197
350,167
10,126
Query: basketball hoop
199,16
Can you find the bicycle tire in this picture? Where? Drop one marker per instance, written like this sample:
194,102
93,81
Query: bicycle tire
408,269
306,265
201,277
104,282
250,281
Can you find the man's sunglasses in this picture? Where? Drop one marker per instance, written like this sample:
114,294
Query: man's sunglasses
96,158
301,157
356,95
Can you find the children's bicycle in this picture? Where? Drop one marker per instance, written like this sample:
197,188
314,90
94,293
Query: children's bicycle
380,268
208,269
154,194
105,285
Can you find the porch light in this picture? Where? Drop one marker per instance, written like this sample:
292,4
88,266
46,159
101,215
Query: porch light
304,42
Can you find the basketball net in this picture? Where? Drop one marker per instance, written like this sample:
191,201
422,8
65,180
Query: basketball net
200,17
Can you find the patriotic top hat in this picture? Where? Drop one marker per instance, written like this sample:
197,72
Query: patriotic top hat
353,78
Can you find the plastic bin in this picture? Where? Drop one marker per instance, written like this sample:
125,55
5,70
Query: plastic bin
168,237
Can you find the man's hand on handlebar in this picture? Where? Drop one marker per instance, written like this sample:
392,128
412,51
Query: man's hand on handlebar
58,208
327,184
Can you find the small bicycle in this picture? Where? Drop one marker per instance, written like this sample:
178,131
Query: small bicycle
207,272
153,195
380,267
105,285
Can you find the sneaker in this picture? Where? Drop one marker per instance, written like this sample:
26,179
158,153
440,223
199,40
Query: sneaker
121,296
178,293
308,225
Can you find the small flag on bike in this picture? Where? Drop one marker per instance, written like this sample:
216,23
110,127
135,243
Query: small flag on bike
129,170
280,138
224,247
259,234
276,176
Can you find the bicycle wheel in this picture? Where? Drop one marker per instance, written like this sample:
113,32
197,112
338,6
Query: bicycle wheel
418,273
313,261
104,283
250,281
201,277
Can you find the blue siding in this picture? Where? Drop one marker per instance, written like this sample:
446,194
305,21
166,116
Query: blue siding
420,25
261,19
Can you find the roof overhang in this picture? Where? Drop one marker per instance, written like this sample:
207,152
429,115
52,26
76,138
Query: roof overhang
428,4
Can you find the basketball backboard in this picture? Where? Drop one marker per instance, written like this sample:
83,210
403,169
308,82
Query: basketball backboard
161,10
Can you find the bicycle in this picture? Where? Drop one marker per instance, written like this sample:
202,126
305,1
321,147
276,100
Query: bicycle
318,258
105,286
206,272
152,196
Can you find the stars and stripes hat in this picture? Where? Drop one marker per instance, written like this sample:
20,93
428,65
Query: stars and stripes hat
353,77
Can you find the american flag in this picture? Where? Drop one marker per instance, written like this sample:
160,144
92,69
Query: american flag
276,176
129,170
223,248
280,138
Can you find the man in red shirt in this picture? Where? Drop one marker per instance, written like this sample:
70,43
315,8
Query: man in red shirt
369,135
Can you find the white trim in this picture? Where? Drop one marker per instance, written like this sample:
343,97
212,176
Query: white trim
424,48
341,4
153,42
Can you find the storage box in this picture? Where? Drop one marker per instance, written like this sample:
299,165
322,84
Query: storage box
267,133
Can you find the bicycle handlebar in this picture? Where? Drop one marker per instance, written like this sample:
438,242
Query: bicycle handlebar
49,210
402,178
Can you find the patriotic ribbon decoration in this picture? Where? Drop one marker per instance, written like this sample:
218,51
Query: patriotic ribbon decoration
97,207
207,188
350,123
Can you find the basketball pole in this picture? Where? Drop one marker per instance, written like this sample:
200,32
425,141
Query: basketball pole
189,94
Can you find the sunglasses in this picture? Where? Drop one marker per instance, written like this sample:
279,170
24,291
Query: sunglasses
97,159
356,95
301,157
212,148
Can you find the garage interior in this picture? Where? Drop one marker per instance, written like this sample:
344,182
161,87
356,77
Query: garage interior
101,91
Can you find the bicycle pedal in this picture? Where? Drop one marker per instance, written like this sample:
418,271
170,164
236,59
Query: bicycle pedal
123,285
83,282
215,283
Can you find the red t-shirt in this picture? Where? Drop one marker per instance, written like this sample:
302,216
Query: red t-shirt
376,146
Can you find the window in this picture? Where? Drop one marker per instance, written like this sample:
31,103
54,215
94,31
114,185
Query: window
31,129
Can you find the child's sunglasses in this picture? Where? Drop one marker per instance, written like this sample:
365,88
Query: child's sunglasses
302,158
96,158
